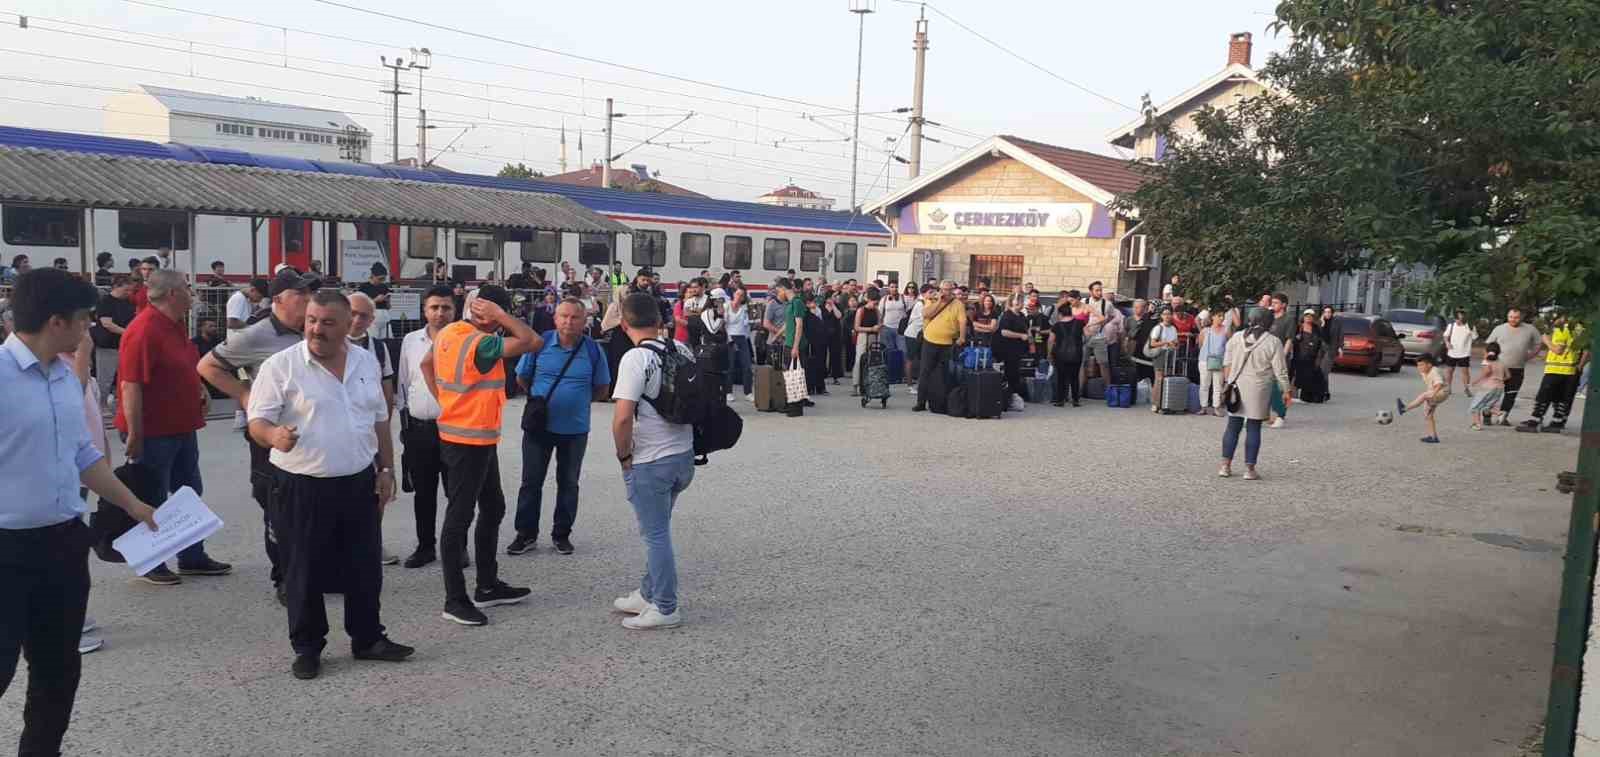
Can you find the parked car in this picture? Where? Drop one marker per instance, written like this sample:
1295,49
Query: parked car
1419,332
1367,342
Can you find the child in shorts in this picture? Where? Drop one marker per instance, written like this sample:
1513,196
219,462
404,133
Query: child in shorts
1434,393
1489,387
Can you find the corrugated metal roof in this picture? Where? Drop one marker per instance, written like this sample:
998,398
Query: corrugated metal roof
55,177
248,109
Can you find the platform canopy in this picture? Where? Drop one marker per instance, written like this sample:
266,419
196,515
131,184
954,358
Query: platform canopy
117,182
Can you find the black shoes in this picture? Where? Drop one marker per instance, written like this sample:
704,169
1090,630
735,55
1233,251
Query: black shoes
1058,403
563,546
919,409
421,557
1553,428
521,544
809,403
384,650
1528,427
208,567
306,666
499,594
464,613
160,575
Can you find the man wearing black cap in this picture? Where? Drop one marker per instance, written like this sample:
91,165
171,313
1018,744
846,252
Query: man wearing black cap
270,331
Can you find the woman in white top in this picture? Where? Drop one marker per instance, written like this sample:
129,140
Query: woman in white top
913,336
740,357
1458,339
894,310
1254,365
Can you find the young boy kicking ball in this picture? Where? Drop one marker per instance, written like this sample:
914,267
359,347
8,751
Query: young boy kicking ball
1489,388
1434,395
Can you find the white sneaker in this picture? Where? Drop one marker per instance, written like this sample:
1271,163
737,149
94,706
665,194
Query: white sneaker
89,642
89,625
750,398
652,619
239,420
1017,404
633,604
913,390
1276,423
732,396
390,558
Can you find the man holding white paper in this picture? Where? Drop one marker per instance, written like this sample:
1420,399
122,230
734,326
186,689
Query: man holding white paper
319,407
45,455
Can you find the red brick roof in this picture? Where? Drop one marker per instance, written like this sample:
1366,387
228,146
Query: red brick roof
622,177
1114,175
793,191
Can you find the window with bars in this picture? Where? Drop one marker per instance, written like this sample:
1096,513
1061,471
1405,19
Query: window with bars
649,248
775,254
736,253
1004,272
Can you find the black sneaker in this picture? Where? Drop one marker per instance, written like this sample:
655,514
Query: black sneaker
306,666
809,403
1528,427
499,594
521,544
1505,421
161,576
563,546
1554,428
207,567
385,650
465,614
421,557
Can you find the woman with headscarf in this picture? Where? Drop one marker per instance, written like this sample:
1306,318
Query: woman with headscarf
617,341
1254,362
1306,370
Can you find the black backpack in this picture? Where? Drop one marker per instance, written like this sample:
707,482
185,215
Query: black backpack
690,395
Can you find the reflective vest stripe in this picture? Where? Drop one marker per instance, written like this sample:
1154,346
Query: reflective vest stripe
471,433
477,387
470,400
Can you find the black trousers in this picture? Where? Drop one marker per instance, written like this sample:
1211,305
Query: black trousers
817,367
1514,379
1012,368
329,531
424,468
935,360
472,487
1559,390
1066,380
263,476
44,592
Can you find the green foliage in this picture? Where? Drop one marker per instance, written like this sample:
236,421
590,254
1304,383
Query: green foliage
1456,134
519,171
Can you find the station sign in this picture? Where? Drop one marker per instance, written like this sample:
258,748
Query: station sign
1012,219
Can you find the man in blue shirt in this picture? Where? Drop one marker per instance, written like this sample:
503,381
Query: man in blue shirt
45,456
568,373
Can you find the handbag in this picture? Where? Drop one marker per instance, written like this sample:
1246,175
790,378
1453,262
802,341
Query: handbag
1231,399
536,413
1213,362
794,382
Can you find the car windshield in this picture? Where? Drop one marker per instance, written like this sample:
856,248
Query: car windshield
1419,317
1355,327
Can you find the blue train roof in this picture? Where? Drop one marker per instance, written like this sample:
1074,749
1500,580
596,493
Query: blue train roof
613,202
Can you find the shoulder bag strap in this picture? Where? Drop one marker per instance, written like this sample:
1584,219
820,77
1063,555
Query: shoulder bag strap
563,373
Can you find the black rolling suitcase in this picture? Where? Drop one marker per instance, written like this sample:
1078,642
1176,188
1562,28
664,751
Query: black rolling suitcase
986,393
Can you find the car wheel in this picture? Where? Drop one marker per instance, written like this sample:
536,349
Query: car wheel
1398,364
1372,367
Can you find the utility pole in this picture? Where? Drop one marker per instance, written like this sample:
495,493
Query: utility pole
605,168
563,147
861,8
421,60
398,66
919,44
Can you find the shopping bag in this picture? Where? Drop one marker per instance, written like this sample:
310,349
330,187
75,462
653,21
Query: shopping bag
794,383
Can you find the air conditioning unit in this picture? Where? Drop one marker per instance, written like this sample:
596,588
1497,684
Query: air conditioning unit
1138,252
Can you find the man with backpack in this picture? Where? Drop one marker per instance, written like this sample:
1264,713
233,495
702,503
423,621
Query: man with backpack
561,380
656,450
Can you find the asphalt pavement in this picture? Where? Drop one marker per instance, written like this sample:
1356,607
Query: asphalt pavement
865,581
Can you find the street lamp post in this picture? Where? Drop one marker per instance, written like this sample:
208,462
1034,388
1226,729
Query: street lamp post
397,66
861,8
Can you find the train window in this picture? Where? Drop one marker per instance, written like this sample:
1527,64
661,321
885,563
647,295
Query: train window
475,245
424,243
545,247
42,227
649,248
378,232
595,249
811,253
775,254
736,253
694,250
844,257
150,230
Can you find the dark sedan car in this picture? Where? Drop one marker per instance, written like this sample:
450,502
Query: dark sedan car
1367,342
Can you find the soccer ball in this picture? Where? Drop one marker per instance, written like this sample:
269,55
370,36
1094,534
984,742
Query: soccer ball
1385,417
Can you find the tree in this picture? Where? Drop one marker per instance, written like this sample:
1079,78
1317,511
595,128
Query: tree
1459,134
519,171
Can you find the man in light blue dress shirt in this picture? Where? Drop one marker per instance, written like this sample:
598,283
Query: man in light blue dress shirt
45,456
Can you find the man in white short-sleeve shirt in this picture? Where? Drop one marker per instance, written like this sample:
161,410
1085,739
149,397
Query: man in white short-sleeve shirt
245,302
657,460
319,406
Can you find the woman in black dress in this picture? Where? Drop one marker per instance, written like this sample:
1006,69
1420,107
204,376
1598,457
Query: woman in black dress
1305,371
1066,347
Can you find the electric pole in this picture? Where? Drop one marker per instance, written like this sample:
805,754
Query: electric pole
919,44
861,8
605,168
397,66
421,60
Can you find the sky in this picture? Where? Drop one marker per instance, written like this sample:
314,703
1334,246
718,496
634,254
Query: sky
771,85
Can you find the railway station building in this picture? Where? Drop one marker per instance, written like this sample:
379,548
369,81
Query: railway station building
1013,210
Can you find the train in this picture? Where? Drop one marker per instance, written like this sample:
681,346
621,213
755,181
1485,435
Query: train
676,236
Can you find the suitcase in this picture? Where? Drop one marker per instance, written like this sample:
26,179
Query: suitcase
896,361
1095,388
986,394
875,384
769,389
1039,389
1193,405
1122,374
1174,394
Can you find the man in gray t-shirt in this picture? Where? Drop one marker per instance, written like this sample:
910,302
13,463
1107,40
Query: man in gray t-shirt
772,321
1519,342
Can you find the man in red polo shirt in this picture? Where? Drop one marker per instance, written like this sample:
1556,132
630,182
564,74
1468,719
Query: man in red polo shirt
161,404
141,292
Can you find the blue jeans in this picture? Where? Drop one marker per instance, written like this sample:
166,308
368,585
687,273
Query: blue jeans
740,370
1252,441
536,452
175,461
653,490
891,339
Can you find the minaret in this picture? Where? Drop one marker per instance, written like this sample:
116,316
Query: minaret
580,150
563,146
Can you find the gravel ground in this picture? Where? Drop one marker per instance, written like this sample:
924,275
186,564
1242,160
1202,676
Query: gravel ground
1062,581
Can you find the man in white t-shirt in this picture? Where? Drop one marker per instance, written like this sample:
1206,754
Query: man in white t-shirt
657,460
1458,338
245,302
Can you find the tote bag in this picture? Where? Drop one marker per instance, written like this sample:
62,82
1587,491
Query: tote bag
794,382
